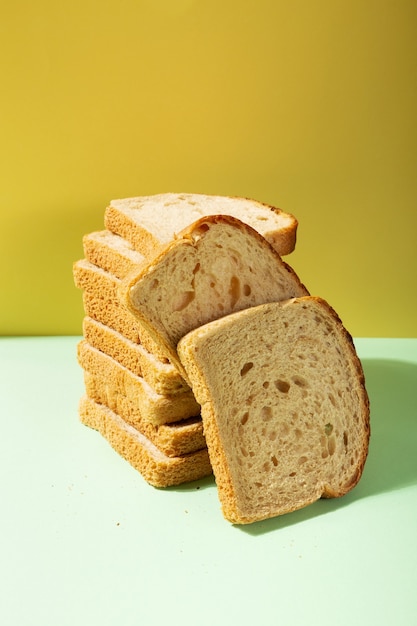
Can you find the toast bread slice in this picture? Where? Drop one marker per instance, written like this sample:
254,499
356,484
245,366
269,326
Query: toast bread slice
161,376
111,252
215,267
152,222
154,407
102,302
284,406
175,439
157,468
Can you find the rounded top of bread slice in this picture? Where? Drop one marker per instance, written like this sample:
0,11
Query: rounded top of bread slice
216,266
284,406
153,221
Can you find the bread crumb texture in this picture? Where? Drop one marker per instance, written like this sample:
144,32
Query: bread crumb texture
134,218
217,266
284,406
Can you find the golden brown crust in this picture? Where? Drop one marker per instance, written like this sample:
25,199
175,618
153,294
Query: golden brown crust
98,249
156,468
102,303
113,315
162,377
155,408
141,239
175,439
221,469
284,240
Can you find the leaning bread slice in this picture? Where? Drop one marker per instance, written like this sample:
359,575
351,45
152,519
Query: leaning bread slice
175,439
102,303
150,222
284,406
157,468
215,267
154,407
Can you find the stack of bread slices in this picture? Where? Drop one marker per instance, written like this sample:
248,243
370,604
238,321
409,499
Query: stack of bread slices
135,396
202,351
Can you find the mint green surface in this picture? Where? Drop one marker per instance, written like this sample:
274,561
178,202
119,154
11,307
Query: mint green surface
85,541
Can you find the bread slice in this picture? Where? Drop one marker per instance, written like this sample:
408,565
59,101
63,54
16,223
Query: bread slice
215,267
284,406
162,377
111,252
151,222
157,468
155,408
174,439
102,303
114,315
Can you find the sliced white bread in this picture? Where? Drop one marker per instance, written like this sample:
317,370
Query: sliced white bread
102,303
157,468
111,252
154,407
150,222
215,267
284,406
164,378
174,439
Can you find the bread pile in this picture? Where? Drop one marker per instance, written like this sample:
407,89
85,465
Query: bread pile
203,352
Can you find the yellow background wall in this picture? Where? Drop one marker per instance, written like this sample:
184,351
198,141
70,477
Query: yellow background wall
310,106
